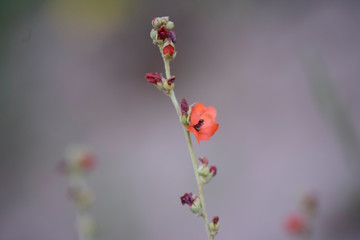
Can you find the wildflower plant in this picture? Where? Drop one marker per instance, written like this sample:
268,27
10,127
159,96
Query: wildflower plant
77,164
196,119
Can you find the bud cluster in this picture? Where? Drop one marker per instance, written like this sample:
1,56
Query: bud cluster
76,162
193,201
76,165
161,83
206,173
163,36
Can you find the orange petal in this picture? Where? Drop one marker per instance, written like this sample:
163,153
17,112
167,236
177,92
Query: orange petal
196,112
193,130
211,110
208,130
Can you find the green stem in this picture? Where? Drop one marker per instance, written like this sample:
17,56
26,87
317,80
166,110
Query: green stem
191,151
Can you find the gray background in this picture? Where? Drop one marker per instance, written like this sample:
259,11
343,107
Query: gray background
283,75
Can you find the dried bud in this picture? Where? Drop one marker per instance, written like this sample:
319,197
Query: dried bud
214,225
153,78
184,106
170,25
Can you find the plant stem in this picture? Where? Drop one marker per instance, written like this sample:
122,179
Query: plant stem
191,151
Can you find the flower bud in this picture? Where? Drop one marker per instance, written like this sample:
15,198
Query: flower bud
203,171
296,224
164,20
196,206
169,50
310,202
184,107
156,22
154,34
214,225
154,78
169,83
169,25
204,161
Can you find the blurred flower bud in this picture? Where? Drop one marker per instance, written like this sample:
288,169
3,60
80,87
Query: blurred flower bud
214,225
295,224
310,203
87,162
169,25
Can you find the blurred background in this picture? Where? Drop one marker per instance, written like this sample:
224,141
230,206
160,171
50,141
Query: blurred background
283,75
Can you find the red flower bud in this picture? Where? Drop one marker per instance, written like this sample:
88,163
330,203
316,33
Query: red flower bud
168,50
187,199
153,78
204,161
213,170
295,224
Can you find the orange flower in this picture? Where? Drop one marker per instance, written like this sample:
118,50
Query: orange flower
202,122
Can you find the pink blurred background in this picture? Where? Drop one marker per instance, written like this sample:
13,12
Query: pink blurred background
283,75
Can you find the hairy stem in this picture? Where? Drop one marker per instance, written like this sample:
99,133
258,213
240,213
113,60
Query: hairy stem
191,151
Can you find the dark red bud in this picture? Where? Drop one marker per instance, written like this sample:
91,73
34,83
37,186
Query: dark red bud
213,169
184,106
162,33
171,80
215,220
204,161
153,78
187,199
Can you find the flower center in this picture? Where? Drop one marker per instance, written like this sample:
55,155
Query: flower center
199,124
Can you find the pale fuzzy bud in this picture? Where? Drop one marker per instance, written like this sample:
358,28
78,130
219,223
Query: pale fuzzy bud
169,25
196,206
154,34
164,20
156,22
169,87
214,225
169,83
203,171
